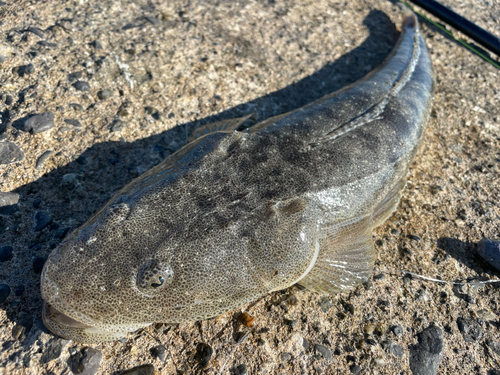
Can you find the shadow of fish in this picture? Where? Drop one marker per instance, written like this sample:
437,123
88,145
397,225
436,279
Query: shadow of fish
237,214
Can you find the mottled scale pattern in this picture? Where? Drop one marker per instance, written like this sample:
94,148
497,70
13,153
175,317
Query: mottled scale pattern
234,215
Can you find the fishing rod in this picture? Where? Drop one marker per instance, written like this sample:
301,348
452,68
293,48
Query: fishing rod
473,31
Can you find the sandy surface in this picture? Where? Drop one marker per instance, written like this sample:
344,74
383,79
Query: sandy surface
173,65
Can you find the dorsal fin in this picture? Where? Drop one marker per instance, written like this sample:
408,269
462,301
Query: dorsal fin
221,126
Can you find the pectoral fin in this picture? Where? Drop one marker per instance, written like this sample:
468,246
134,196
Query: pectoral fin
224,125
346,256
386,208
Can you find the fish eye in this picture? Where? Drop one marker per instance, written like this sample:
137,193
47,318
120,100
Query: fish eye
153,276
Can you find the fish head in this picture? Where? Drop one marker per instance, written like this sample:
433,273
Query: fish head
107,278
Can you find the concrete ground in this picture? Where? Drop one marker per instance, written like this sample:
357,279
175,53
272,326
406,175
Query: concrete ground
157,69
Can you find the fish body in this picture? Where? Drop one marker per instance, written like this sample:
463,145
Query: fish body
234,215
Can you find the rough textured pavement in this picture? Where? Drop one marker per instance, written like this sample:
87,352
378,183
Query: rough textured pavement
125,82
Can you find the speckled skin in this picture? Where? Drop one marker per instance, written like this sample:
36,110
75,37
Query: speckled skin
235,215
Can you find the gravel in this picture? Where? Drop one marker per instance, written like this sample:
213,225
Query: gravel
470,330
85,361
489,250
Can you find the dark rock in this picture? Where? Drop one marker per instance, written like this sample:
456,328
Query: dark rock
323,350
43,158
203,353
140,370
39,123
379,276
37,203
104,94
6,253
10,153
81,86
42,220
395,232
22,328
4,292
25,70
426,355
60,233
38,263
355,369
470,330
82,160
414,238
128,26
75,76
53,350
8,100
489,250
73,122
239,370
158,352
96,44
85,362
35,30
19,290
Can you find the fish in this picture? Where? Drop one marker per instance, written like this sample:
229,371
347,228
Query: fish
236,214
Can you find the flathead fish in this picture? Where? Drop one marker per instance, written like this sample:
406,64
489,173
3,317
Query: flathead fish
234,215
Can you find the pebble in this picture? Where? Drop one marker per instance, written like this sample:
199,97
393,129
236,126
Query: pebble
81,86
239,370
117,126
8,198
10,153
42,220
43,158
285,357
37,203
19,290
44,43
489,250
53,350
38,263
159,352
324,351
75,76
6,253
76,106
427,354
152,20
39,123
397,330
73,122
22,328
25,70
470,330
355,369
96,44
85,362
4,292
104,94
494,346
35,30
325,304
140,370
203,353
379,276
396,350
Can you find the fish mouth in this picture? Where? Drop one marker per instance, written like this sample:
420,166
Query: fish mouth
70,324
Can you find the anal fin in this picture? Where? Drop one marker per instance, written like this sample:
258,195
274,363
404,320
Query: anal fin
346,256
219,126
